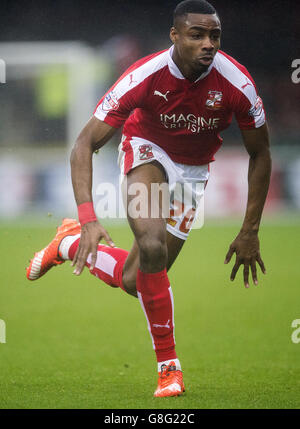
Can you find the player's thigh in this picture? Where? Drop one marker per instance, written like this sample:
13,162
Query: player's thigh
152,223
144,204
150,231
144,182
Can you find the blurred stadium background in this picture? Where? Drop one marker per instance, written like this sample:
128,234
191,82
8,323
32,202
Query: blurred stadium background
60,59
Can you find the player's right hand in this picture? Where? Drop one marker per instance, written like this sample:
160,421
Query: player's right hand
91,234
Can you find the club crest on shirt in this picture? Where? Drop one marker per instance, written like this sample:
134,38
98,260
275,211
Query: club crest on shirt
146,151
214,100
110,102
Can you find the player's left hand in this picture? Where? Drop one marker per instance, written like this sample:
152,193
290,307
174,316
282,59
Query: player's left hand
246,248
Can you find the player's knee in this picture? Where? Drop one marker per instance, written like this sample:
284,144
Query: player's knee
153,252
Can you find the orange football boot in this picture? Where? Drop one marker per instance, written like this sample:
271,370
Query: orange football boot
170,382
49,256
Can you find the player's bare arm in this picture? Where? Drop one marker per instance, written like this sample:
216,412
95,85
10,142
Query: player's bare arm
246,244
93,136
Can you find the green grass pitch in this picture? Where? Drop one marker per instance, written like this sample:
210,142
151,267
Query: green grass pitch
74,342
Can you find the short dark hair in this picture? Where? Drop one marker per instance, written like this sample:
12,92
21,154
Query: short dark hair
193,6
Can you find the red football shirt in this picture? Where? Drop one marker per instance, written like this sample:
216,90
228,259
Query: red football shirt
154,101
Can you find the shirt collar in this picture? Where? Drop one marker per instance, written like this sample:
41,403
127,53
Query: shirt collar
174,70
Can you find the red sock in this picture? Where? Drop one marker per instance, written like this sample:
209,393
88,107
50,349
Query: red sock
109,264
156,298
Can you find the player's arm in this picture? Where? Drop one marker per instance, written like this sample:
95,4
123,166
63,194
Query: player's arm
246,244
93,136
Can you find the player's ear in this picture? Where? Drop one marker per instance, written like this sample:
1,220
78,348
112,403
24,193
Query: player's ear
173,34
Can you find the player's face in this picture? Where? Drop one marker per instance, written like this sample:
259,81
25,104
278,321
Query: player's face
196,38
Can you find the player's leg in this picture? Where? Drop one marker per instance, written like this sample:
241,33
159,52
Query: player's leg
114,266
108,267
110,262
152,283
174,246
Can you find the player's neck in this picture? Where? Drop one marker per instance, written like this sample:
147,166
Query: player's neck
185,69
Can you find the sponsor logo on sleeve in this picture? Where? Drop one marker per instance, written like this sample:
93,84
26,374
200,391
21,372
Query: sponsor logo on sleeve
257,108
110,102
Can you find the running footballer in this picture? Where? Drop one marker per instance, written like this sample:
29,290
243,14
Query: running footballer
172,106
